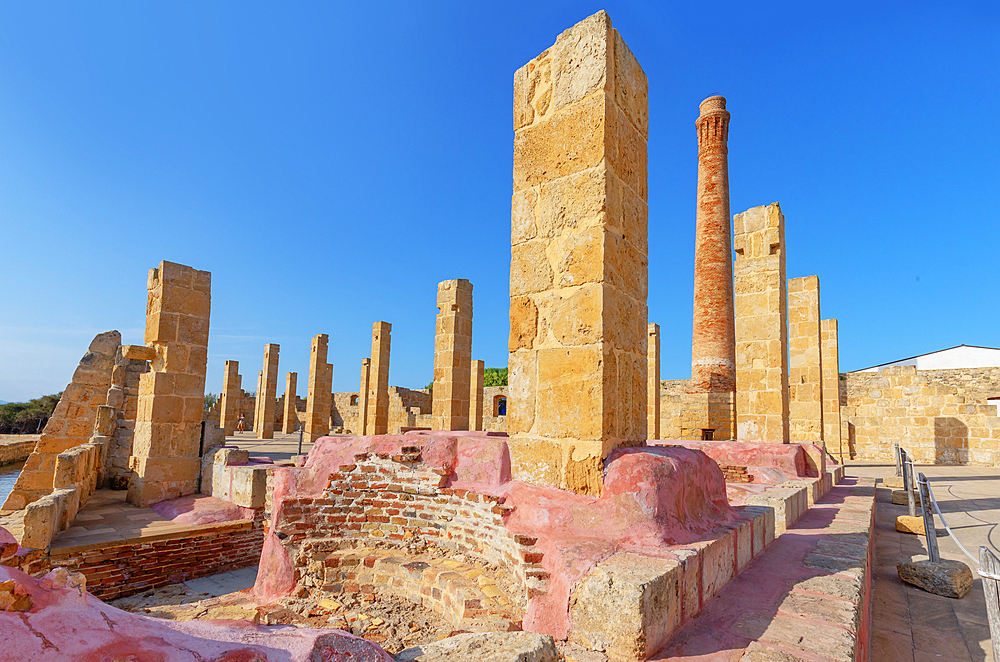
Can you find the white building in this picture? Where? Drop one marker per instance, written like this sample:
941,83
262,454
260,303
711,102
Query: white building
953,358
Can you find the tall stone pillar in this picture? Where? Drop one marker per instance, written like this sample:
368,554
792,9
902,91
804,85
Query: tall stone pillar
805,369
476,396
232,385
366,370
378,383
289,419
269,392
708,404
452,356
653,381
761,326
258,402
318,395
578,275
830,359
165,450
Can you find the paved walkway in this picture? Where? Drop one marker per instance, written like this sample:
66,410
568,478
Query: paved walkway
282,448
913,625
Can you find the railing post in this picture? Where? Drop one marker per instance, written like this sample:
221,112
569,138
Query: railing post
300,439
896,457
989,564
928,511
908,483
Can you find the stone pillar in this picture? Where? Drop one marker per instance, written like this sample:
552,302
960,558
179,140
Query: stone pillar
269,392
452,356
476,395
366,370
761,326
708,404
258,401
653,381
378,382
805,370
232,385
289,419
318,394
831,387
165,449
578,276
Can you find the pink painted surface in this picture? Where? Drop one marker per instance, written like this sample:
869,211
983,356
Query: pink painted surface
653,500
781,461
195,509
66,623
744,609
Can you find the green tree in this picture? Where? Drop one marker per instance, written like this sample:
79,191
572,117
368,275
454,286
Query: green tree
210,400
495,377
27,417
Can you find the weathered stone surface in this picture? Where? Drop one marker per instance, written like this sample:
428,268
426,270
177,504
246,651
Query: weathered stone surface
232,384
485,647
893,482
761,652
578,280
761,330
289,419
805,369
267,394
952,579
830,363
907,524
628,606
899,498
378,382
653,381
166,447
14,597
452,356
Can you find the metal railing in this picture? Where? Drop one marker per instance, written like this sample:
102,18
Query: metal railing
988,565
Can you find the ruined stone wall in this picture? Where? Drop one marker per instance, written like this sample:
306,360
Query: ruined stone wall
940,416
71,423
117,471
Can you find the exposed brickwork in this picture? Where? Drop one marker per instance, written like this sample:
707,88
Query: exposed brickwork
117,569
397,499
713,343
734,474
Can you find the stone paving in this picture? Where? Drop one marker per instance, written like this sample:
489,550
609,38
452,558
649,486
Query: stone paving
281,448
909,624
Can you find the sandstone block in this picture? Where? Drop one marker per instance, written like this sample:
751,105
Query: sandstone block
899,498
951,579
486,647
627,606
893,482
907,524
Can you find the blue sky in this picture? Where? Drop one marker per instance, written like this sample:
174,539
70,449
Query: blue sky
331,163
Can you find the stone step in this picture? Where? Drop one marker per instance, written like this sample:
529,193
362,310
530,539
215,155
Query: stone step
806,596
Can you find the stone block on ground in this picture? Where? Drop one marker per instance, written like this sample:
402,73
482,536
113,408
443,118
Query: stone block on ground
893,482
628,606
486,647
907,524
951,579
899,498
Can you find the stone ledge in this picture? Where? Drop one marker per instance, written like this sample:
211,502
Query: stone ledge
180,532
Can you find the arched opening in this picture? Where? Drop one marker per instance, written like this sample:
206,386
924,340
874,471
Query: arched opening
354,400
500,405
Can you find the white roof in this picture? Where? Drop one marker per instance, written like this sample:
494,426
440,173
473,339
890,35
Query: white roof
963,356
